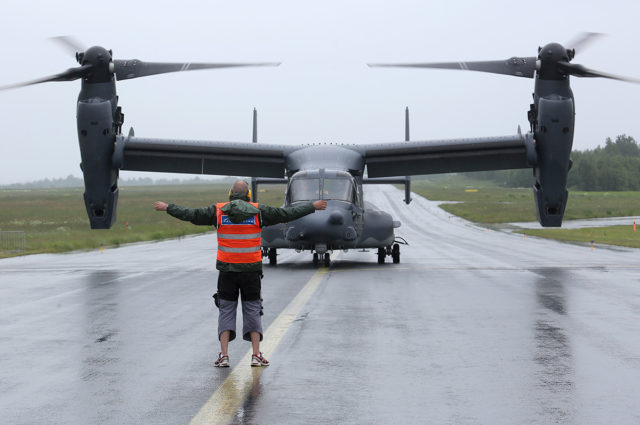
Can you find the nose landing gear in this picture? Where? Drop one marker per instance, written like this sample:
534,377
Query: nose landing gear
393,251
316,259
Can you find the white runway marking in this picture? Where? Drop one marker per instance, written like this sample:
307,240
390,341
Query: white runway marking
224,403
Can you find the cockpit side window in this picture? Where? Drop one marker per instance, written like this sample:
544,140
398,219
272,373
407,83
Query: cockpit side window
304,189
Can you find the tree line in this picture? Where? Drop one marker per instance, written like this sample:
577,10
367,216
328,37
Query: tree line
614,167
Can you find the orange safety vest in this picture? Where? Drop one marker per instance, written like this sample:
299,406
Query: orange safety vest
238,242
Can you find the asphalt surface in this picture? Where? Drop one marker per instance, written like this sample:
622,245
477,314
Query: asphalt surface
474,326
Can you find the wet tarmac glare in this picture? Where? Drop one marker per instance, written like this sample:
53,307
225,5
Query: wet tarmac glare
474,326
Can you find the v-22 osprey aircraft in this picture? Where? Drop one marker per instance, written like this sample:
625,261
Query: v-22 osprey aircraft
332,172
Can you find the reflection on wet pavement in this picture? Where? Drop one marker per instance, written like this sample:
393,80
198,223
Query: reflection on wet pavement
472,327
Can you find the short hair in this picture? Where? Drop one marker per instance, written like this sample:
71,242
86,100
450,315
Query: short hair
240,186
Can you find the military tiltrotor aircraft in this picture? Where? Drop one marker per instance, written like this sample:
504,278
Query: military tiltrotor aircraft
332,172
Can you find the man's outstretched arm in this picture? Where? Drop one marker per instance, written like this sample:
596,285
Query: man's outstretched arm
203,216
160,206
272,215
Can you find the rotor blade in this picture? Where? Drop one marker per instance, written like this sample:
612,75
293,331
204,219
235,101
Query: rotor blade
127,69
69,43
581,71
581,41
68,75
518,66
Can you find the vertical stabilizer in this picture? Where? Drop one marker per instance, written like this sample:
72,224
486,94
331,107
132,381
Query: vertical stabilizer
254,139
255,126
406,124
407,137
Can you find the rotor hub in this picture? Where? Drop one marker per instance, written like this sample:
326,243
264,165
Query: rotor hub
553,52
101,63
549,56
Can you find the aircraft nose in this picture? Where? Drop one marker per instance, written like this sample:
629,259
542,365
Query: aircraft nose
336,217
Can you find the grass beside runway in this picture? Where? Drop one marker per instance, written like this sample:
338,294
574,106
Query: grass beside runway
484,202
55,220
612,235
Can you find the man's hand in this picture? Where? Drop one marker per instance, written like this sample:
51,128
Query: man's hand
320,205
160,206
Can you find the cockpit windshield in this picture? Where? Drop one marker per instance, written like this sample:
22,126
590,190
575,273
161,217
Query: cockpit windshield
304,189
334,185
339,188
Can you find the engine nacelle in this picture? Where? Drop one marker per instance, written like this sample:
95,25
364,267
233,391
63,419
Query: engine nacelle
554,139
97,138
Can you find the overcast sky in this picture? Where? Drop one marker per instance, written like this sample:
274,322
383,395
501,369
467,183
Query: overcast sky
323,91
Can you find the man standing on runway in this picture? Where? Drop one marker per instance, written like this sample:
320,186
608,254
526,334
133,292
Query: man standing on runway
239,260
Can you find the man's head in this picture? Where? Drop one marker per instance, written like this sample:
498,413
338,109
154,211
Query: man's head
240,190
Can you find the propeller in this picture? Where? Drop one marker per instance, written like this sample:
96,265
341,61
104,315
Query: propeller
127,69
68,75
582,40
97,65
517,66
578,70
553,61
69,43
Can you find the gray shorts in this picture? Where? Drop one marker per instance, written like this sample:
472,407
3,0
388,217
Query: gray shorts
230,286
251,319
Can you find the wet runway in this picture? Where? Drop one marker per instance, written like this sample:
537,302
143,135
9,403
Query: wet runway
474,326
581,224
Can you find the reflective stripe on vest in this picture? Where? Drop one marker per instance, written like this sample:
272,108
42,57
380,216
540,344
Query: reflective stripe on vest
228,249
238,242
249,236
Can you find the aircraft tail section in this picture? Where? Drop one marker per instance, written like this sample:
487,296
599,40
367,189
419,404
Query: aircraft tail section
406,180
254,139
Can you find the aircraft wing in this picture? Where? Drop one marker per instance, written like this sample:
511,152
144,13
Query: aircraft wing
198,157
446,156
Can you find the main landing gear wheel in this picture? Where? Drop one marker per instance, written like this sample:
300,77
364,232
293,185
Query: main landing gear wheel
315,259
327,259
395,253
381,254
273,259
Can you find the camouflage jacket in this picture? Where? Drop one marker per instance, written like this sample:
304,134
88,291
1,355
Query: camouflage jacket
237,211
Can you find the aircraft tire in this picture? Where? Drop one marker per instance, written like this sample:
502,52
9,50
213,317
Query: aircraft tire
395,253
381,254
327,259
273,256
315,259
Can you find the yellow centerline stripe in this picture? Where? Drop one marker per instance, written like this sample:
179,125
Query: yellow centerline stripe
225,402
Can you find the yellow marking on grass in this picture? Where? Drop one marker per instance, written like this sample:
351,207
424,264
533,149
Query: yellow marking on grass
228,398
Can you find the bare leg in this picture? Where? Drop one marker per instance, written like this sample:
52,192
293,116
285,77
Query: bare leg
224,341
255,342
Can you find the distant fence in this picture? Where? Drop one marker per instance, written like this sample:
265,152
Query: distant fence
13,241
